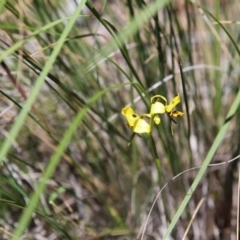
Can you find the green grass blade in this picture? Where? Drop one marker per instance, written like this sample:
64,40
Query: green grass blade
213,148
130,30
18,44
27,107
205,164
2,3
53,163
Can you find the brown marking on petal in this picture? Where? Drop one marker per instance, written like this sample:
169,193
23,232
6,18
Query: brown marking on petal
176,114
134,115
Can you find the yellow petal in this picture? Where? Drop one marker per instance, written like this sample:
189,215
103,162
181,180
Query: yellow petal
141,126
127,110
176,114
156,108
157,119
172,104
130,116
159,96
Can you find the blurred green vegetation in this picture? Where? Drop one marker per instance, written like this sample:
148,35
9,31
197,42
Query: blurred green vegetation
70,173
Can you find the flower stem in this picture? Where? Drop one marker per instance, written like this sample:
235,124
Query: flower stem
156,158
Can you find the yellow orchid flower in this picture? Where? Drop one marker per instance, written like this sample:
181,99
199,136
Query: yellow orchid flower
139,125
159,108
135,122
